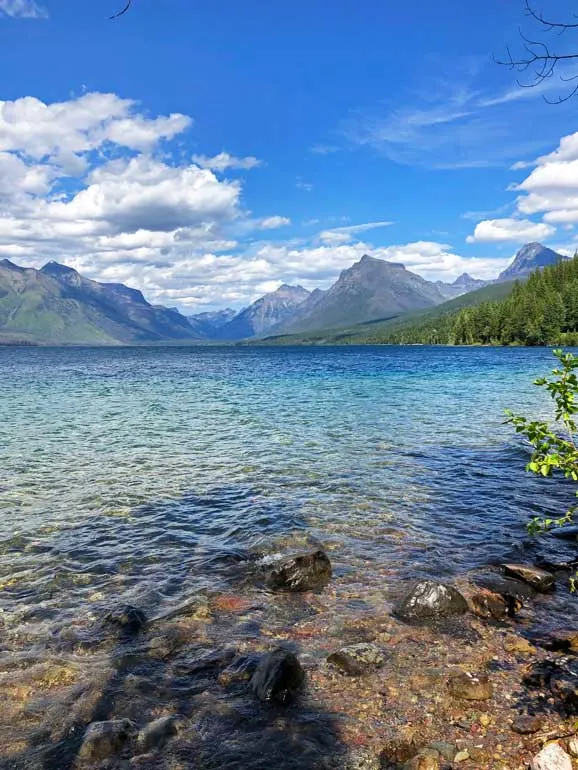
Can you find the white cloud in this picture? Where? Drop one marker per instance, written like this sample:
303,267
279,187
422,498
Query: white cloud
223,161
24,9
271,223
503,230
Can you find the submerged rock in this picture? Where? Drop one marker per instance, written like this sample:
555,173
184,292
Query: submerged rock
515,592
517,645
469,686
128,619
105,739
428,600
560,641
427,759
278,677
157,733
526,725
303,571
241,669
357,659
489,604
539,579
566,533
552,757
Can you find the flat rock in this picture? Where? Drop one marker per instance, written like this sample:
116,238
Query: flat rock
358,659
539,579
469,686
526,725
489,604
303,571
278,678
106,739
428,600
552,757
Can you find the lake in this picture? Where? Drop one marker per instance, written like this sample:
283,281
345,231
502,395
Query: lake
145,475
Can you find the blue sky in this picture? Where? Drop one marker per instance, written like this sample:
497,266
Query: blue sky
205,152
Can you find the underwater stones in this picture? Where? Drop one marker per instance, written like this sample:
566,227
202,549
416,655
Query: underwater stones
488,604
157,733
466,685
539,579
278,678
105,739
302,571
127,619
562,640
430,601
552,757
357,659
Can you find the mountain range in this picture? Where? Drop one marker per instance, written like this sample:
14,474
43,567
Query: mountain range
57,305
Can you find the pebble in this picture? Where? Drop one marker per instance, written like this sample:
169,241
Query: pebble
461,756
573,746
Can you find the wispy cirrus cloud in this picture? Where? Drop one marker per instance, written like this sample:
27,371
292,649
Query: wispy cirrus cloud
23,9
457,125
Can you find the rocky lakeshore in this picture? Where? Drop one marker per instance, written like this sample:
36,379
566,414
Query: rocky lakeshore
293,668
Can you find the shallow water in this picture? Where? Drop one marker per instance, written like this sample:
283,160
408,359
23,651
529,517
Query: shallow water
144,475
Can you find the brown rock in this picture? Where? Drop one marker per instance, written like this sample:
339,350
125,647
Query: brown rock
539,579
470,686
488,604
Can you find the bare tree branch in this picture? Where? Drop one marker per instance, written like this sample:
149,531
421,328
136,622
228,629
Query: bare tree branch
121,13
540,61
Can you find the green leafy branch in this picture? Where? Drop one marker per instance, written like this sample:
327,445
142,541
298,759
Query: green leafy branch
555,447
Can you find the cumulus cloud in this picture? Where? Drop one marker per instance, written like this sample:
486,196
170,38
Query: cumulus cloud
504,230
65,130
223,161
24,9
87,182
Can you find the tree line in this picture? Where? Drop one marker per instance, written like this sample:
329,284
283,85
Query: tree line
540,311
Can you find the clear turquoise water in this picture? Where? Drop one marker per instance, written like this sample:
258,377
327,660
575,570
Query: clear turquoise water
144,475
128,473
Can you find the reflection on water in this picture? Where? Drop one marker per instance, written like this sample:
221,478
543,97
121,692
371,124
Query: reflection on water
146,476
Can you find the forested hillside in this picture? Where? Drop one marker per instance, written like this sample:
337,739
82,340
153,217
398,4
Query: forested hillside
541,311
